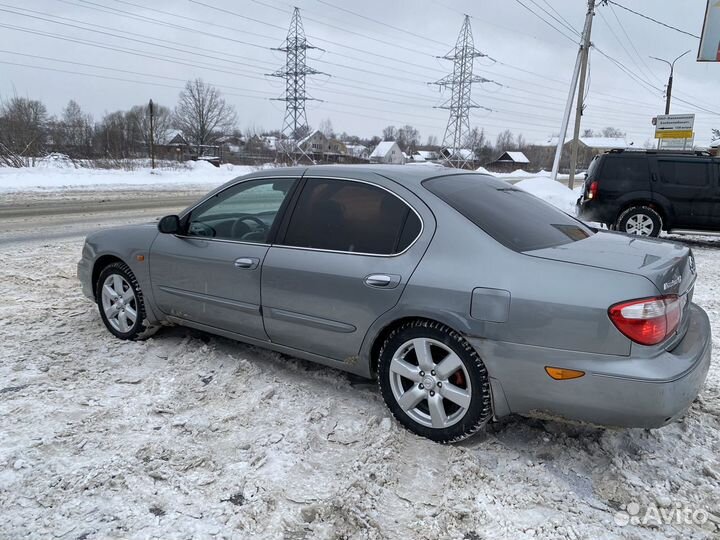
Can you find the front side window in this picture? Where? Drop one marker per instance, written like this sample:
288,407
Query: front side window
512,216
684,173
342,215
245,212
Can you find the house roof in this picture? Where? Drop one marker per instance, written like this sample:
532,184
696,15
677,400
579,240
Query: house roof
513,157
596,142
462,153
310,136
383,148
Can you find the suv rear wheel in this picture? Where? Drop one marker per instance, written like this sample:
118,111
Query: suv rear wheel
639,220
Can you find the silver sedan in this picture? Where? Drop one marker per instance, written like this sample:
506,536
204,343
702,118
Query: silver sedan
465,297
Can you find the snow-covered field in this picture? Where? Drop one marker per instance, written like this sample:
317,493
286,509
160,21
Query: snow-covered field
192,436
54,175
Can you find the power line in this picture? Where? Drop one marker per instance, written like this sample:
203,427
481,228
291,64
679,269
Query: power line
562,22
651,19
551,25
632,44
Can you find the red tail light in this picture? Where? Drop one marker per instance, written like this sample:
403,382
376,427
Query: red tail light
593,190
648,321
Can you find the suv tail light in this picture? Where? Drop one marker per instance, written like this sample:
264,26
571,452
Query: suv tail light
593,190
648,321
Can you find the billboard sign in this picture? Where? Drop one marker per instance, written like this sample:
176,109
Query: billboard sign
710,41
674,126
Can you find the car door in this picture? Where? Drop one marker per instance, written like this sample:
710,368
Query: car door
715,210
210,274
685,182
344,258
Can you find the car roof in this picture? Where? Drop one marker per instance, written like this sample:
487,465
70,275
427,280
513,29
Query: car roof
408,175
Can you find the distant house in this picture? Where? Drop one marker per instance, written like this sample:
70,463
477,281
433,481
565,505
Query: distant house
314,143
357,151
387,152
509,161
459,155
425,155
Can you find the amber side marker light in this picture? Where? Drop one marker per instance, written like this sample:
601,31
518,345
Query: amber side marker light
560,374
140,258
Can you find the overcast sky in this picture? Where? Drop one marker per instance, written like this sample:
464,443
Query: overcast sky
377,72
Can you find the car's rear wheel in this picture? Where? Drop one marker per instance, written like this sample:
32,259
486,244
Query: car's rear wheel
120,302
640,221
434,382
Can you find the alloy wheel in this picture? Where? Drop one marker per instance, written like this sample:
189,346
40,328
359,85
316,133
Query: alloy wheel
119,303
430,383
639,224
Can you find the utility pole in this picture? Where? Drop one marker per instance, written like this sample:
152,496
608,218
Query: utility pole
152,134
585,55
460,83
670,79
295,125
584,45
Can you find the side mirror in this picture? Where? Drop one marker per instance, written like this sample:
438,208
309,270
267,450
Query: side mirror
169,225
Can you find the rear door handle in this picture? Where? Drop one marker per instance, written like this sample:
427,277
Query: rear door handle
382,281
249,263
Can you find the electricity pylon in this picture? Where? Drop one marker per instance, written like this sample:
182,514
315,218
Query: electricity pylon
295,125
460,83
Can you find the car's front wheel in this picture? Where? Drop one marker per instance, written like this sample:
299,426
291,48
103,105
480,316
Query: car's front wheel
120,302
639,220
434,382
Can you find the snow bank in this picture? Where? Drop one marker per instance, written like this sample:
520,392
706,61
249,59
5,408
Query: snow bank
54,172
483,170
551,191
519,174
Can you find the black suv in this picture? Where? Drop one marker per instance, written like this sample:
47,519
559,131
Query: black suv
644,192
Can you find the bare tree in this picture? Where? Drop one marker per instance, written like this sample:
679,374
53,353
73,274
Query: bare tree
505,141
520,142
202,114
23,126
326,128
162,122
432,140
390,133
408,138
716,135
612,132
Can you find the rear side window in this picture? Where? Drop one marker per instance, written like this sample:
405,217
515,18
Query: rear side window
694,173
342,215
513,217
630,169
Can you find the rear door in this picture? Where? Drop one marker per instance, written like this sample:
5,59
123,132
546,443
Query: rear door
344,258
685,182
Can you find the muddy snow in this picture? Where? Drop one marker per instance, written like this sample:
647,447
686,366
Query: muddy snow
187,435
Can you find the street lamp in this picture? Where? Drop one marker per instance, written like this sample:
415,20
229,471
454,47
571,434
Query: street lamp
670,80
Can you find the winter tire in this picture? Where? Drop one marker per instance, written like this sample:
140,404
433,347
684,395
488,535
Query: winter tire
434,382
640,221
120,302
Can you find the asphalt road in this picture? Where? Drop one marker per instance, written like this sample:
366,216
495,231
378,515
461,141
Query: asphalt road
40,217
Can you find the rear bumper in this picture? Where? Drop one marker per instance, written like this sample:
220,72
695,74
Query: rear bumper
589,210
630,391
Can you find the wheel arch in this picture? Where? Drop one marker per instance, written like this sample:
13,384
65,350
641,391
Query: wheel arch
379,332
99,265
644,201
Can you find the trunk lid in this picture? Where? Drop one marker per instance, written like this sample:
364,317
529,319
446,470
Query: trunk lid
669,265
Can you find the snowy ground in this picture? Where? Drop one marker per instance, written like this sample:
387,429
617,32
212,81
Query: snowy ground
189,435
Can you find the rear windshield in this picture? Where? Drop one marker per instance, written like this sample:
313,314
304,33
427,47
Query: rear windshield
513,217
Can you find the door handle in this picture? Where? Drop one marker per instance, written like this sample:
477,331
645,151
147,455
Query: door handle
249,263
382,281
